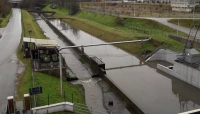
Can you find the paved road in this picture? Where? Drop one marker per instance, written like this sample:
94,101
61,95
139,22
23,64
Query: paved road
8,61
180,28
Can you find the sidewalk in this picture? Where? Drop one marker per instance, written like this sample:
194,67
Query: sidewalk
1,31
174,26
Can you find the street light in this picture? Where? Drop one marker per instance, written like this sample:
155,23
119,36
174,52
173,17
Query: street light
104,6
178,20
194,9
60,62
30,31
134,8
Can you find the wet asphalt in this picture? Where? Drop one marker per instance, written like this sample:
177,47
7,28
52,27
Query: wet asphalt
8,61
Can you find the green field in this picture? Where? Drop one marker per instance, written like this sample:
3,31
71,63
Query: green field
185,22
106,28
4,21
50,84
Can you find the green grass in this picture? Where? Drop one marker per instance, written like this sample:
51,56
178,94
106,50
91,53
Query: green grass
4,21
82,60
105,28
50,84
30,24
184,22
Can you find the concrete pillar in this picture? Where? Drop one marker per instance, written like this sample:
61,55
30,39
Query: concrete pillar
27,102
10,104
82,50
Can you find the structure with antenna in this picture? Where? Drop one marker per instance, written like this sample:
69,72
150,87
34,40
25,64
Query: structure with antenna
187,65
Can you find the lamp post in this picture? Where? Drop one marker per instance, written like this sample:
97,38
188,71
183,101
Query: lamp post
104,6
178,20
194,9
60,62
134,8
30,31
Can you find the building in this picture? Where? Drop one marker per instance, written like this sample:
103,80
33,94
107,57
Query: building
183,5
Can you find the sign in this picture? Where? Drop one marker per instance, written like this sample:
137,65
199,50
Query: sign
35,90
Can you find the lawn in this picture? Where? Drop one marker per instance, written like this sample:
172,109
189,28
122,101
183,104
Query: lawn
50,84
106,28
185,22
4,21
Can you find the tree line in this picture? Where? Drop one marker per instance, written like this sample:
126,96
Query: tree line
31,4
71,5
5,8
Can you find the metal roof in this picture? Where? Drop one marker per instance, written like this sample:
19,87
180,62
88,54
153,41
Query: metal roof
41,42
46,43
26,39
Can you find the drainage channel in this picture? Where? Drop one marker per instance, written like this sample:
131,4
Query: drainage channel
93,86
152,91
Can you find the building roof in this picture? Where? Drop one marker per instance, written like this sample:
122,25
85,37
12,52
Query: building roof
46,43
41,42
26,39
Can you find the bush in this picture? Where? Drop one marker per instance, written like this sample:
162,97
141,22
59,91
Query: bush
119,21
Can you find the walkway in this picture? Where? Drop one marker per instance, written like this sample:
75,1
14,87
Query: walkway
8,60
174,26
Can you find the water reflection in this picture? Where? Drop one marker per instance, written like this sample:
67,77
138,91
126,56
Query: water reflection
187,94
62,26
155,92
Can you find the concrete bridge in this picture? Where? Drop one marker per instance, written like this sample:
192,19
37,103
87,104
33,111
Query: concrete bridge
15,2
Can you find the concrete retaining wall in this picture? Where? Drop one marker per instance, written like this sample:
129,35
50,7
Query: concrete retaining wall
63,106
184,73
164,55
187,74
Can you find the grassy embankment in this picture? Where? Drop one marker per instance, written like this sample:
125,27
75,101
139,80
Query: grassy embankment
105,28
184,22
50,84
5,20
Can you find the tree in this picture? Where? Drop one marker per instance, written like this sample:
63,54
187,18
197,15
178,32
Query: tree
5,8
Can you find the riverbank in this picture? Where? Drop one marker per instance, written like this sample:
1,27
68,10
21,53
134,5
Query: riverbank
105,28
4,21
49,83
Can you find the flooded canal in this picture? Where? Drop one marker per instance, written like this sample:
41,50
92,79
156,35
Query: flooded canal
93,86
151,90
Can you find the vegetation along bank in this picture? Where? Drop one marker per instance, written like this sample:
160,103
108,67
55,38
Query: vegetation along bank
109,28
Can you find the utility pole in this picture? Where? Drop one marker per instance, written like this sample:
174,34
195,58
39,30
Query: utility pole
104,6
194,9
178,20
30,31
134,8
61,85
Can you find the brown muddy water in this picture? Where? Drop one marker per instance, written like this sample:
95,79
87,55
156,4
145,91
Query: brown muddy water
153,91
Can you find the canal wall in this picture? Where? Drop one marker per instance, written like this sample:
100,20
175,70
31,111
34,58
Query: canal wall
183,72
78,50
164,55
130,103
101,72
